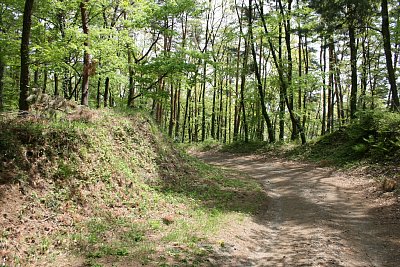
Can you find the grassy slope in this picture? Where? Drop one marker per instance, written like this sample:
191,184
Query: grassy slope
110,190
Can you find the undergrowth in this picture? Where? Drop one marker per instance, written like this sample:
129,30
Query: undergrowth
110,190
374,137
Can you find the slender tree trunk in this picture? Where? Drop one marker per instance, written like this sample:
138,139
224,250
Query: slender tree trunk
56,90
353,63
2,70
213,105
290,94
98,93
24,77
306,69
236,121
282,80
172,112
271,135
364,80
226,111
36,78
242,89
220,113
86,54
178,111
107,94
395,104
45,77
188,95
195,114
299,107
331,48
203,104
323,69
131,91
282,93
238,108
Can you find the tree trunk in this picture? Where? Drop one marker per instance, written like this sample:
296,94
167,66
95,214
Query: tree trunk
213,105
289,95
36,78
271,134
236,122
281,77
2,70
45,77
331,48
98,93
203,104
323,69
242,89
281,91
172,111
131,92
395,105
24,77
178,111
56,90
364,80
86,54
107,92
188,95
353,63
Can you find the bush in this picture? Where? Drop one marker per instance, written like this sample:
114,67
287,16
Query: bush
379,131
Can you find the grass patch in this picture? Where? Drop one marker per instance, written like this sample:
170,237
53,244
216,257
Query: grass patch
111,190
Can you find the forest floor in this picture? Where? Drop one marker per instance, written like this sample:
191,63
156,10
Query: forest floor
315,216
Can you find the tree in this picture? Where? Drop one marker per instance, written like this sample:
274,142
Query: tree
86,54
395,105
271,134
24,77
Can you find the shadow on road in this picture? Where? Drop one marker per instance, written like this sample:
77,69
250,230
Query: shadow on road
315,218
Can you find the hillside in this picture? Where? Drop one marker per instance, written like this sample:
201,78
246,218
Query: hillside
108,189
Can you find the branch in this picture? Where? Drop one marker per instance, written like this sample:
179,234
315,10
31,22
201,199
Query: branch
151,85
148,51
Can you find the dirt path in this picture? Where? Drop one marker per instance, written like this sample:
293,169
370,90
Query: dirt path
315,217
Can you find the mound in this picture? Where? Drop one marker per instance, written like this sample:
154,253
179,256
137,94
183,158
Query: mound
109,189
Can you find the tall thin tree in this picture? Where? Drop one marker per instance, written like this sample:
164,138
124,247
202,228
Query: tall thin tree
24,78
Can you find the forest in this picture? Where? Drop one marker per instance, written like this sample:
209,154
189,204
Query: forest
199,133
223,70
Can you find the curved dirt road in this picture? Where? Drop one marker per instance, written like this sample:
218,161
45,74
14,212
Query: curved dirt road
315,217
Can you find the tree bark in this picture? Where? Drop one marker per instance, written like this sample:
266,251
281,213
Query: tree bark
131,92
242,89
24,77
282,80
213,105
86,54
323,70
98,93
56,90
2,70
271,134
353,63
395,105
107,92
331,48
185,119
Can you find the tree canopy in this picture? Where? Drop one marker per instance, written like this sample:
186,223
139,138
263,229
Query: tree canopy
222,70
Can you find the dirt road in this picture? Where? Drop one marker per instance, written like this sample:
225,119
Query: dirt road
315,217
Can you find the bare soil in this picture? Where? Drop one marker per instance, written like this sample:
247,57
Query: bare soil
315,216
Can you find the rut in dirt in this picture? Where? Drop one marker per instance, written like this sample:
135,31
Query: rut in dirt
315,217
